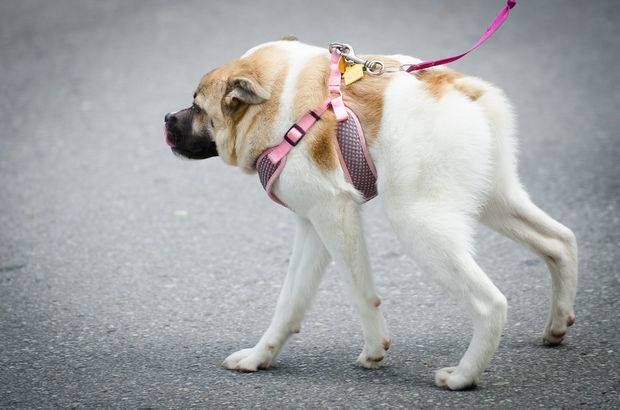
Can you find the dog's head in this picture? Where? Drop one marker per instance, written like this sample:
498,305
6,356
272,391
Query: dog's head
203,129
234,107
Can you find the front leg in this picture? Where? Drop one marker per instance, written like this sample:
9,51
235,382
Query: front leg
306,267
338,224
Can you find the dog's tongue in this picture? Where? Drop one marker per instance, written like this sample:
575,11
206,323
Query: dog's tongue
170,144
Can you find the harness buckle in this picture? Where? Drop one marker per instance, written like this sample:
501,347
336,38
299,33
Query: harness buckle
301,132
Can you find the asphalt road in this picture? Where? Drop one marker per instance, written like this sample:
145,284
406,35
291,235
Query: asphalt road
128,275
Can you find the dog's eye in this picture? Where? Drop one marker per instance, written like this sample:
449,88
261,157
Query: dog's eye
211,124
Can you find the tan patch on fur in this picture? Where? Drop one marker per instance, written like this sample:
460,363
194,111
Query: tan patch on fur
471,91
209,93
321,142
311,92
289,37
438,82
270,67
232,142
376,302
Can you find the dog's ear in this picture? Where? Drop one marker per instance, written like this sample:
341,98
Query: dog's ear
242,91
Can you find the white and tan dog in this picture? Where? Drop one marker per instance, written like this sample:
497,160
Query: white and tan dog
444,148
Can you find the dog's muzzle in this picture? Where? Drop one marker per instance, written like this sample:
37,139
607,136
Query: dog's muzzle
184,144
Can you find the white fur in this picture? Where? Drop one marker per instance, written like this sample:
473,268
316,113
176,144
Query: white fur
443,164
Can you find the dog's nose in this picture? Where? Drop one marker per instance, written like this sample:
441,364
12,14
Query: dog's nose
170,117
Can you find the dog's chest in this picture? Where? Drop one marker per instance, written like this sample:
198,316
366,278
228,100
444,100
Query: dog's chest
353,155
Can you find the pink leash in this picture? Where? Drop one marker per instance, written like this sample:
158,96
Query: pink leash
497,23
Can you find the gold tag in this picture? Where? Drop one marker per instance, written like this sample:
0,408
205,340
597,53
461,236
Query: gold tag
342,65
353,73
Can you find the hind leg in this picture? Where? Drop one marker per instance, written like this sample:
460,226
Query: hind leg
514,215
439,239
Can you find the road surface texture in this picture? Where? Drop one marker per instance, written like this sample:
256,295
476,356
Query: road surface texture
128,275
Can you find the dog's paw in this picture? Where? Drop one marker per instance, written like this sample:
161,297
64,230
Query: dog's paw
374,358
369,362
556,329
450,378
246,361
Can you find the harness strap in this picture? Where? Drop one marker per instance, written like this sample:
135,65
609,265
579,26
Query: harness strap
495,25
334,88
303,125
297,132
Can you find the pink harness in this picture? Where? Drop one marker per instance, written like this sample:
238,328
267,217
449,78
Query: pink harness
355,161
352,151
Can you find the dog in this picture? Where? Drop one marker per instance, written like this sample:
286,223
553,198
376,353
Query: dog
445,154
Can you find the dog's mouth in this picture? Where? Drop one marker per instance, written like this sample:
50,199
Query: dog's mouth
202,154
197,150
167,136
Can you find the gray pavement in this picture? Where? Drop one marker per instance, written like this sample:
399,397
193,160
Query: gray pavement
128,275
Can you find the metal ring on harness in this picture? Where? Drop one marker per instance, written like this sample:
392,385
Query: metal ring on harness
374,67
